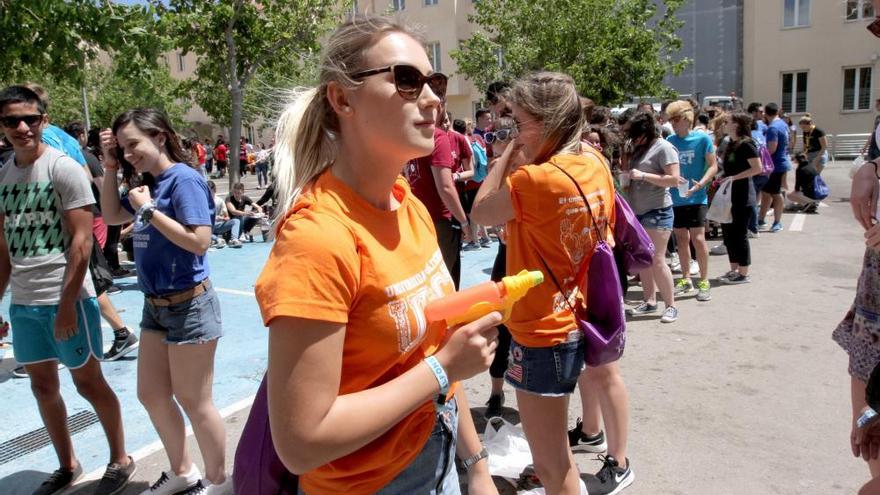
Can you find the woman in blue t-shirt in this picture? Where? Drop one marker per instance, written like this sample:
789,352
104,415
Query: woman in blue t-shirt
180,323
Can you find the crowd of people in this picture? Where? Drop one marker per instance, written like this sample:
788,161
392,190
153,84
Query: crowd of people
360,249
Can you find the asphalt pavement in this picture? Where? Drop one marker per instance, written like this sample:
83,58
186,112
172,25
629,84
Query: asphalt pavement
745,394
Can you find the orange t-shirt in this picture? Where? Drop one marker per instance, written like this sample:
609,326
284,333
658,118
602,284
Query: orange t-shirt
339,259
551,217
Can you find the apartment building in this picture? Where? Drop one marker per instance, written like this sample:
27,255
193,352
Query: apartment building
813,56
712,38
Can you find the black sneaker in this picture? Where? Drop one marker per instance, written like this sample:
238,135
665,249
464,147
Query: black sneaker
121,347
198,489
581,442
121,272
736,279
19,372
494,406
113,290
58,481
116,477
611,479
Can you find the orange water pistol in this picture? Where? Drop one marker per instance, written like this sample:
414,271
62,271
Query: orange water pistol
477,301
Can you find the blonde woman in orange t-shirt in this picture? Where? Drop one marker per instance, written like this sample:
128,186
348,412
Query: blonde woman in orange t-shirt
551,229
357,380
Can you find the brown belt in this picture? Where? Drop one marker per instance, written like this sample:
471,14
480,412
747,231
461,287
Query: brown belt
179,297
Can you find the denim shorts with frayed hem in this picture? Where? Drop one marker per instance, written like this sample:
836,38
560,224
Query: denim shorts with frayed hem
548,371
194,321
658,219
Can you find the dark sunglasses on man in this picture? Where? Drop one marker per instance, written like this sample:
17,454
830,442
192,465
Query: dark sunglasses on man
499,135
409,80
13,121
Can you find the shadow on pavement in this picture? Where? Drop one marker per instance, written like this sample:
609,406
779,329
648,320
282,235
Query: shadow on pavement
22,482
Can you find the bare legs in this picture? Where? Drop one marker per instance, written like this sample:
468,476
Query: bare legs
658,276
172,375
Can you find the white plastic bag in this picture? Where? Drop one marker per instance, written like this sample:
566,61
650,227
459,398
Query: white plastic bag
508,448
856,165
719,210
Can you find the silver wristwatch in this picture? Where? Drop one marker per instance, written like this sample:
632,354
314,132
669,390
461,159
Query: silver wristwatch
470,461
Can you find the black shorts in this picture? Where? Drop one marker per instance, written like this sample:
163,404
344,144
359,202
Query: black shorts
689,216
774,183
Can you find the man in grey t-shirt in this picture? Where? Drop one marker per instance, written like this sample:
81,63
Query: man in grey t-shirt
45,243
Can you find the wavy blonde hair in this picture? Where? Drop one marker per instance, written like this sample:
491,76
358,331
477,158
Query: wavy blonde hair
307,133
552,98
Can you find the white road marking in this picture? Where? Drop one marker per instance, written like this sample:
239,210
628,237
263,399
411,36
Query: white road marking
797,223
156,446
236,292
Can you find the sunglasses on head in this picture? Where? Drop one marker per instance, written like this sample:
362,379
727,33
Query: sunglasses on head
499,135
13,121
409,81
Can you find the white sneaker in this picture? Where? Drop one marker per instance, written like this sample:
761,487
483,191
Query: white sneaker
695,268
170,483
224,488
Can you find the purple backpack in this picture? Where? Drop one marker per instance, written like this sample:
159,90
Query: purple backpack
767,166
257,469
630,238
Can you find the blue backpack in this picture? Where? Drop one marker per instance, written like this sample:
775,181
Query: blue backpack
481,162
820,188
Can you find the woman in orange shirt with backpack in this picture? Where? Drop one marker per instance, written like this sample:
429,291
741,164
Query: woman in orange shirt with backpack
532,189
358,381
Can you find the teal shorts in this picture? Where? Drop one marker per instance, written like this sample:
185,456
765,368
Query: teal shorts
33,334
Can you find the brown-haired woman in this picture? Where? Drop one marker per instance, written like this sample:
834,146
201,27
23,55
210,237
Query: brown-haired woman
180,324
741,162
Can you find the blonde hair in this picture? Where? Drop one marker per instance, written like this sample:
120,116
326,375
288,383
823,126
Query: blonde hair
552,98
307,132
680,108
806,119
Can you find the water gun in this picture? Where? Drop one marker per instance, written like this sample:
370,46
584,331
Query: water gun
472,303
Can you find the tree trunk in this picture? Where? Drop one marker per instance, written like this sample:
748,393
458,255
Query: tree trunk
235,137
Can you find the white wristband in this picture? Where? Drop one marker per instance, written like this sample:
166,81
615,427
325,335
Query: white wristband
439,374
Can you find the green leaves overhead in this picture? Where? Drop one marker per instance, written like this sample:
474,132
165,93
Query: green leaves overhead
612,48
59,37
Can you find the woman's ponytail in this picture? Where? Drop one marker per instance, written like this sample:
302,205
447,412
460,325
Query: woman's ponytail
303,147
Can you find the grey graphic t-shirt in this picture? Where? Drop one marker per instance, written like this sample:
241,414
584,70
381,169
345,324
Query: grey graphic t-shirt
32,199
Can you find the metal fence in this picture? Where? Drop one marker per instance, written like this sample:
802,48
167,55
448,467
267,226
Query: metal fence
840,146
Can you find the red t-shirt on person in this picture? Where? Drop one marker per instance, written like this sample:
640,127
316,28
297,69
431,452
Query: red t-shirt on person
421,178
220,152
461,150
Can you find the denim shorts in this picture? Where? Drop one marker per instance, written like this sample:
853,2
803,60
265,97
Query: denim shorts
549,371
191,322
659,219
33,334
433,470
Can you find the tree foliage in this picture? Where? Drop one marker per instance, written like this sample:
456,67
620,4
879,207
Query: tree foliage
109,92
59,38
238,42
612,48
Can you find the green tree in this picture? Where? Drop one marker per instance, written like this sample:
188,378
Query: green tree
612,48
109,92
238,42
59,43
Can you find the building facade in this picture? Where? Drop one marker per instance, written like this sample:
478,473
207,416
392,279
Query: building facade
813,56
712,37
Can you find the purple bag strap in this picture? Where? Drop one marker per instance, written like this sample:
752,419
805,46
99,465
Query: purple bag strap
582,269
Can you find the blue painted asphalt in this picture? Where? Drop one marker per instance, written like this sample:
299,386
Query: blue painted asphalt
239,366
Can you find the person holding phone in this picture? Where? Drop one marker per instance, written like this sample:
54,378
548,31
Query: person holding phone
180,321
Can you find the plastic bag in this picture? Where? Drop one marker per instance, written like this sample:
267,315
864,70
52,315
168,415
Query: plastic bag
719,210
856,165
508,448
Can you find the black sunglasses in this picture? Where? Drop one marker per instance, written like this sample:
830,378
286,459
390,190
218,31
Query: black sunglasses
500,135
409,81
13,121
